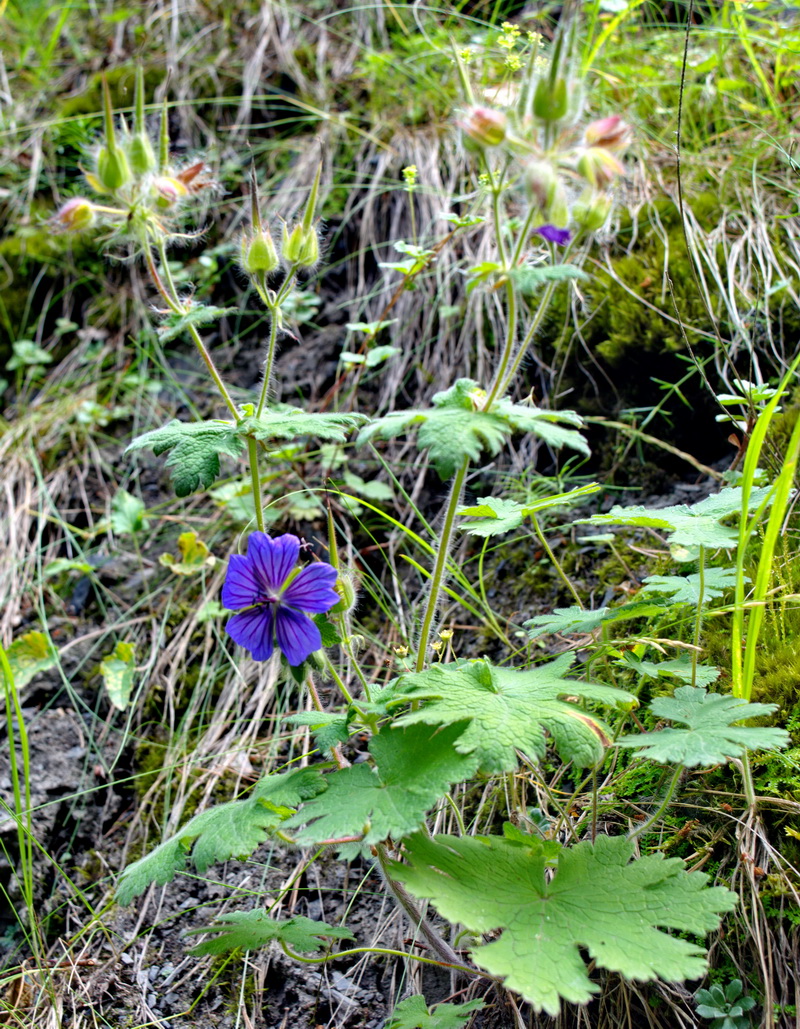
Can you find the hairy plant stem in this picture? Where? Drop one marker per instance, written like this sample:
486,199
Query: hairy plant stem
252,453
662,807
698,622
406,902
554,560
270,360
438,574
508,347
338,680
173,301
458,967
541,310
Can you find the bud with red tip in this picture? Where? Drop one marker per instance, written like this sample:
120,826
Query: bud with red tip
168,191
485,126
75,215
611,133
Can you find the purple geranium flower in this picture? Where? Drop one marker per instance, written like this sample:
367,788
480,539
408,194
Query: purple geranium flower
554,235
277,598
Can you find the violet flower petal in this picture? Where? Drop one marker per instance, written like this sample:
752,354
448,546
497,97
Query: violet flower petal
312,589
297,635
272,559
241,588
554,235
253,631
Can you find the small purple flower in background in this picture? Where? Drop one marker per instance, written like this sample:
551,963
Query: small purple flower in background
277,603
553,235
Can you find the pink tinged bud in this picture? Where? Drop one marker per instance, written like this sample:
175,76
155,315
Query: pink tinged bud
599,167
611,133
75,215
168,190
485,126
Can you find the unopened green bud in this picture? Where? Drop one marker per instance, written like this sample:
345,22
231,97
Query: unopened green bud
112,168
292,244
346,590
551,99
599,166
541,178
591,210
309,252
140,154
259,256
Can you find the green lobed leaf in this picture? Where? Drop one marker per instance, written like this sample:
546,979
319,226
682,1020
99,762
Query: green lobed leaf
281,421
529,278
577,621
414,768
229,830
29,655
599,900
194,449
175,324
679,667
510,710
249,930
328,729
413,1013
685,589
117,669
711,737
688,528
499,515
456,427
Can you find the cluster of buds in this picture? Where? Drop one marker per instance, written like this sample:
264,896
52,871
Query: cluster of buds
553,155
299,247
134,177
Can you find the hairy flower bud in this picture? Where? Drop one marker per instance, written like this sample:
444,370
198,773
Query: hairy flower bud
599,166
259,256
112,168
591,210
140,154
541,179
168,191
75,215
485,126
611,133
551,99
309,252
347,592
292,244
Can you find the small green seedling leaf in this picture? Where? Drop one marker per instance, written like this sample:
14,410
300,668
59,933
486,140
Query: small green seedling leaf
685,589
456,428
370,328
29,655
66,564
27,354
510,710
414,768
127,514
679,668
711,737
327,630
194,450
229,830
175,325
249,930
284,422
195,556
117,669
688,528
413,1013
600,900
